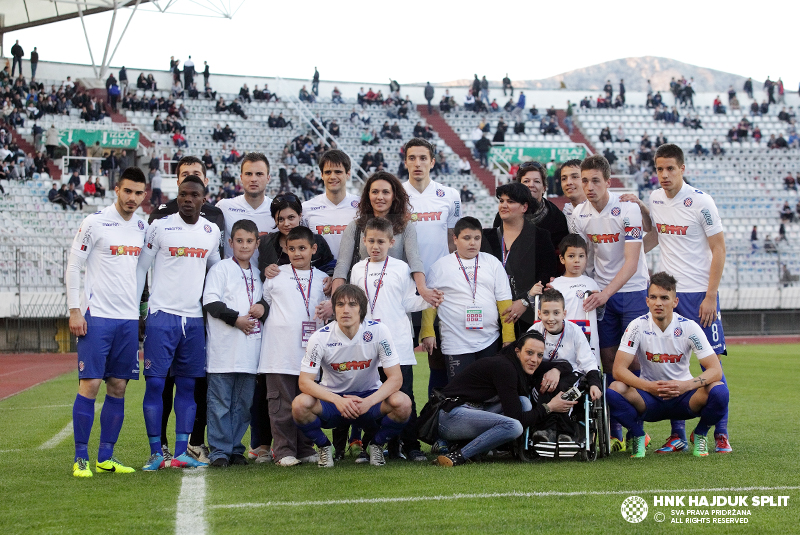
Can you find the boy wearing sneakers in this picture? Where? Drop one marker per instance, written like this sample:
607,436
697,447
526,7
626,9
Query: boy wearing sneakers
292,296
231,299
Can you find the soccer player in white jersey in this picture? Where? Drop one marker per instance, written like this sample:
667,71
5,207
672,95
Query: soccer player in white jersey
254,204
106,323
181,247
663,341
349,351
435,210
689,231
329,213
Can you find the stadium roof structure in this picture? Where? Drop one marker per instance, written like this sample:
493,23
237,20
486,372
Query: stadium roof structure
21,14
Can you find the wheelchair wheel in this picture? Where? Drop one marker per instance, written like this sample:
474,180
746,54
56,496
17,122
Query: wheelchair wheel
602,440
521,449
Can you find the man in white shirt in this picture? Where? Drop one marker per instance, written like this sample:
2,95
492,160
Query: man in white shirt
663,342
349,352
329,213
106,323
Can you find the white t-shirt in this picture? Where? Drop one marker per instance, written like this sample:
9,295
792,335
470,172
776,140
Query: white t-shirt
182,254
329,220
397,296
350,365
446,275
573,289
282,346
434,212
606,233
236,209
228,349
111,247
573,347
684,224
664,356
568,212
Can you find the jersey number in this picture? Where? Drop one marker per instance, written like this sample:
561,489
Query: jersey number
714,332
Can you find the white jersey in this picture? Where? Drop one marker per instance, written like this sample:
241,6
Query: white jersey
228,349
574,289
434,212
684,224
572,347
111,247
664,356
236,209
607,233
393,299
446,275
329,220
350,365
568,211
183,253
282,347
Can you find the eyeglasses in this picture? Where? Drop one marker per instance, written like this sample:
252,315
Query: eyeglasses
531,165
285,197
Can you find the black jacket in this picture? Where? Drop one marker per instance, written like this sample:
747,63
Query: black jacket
269,252
555,222
17,51
429,92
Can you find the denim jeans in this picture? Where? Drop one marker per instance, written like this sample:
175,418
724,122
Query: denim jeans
487,427
229,398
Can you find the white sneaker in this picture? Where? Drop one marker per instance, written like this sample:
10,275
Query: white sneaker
325,457
264,456
289,460
376,455
310,459
254,453
199,453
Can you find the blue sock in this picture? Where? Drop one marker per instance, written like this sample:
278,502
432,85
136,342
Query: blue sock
389,429
153,409
716,407
679,428
111,418
614,425
722,426
355,433
624,412
313,430
82,420
185,410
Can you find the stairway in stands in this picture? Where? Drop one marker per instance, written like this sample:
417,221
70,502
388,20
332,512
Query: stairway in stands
52,169
441,127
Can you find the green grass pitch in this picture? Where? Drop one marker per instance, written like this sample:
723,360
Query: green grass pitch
39,495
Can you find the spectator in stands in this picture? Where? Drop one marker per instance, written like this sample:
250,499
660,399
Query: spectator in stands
466,195
520,104
748,87
336,96
764,108
507,85
89,188
208,161
429,97
786,276
179,139
483,146
16,54
221,107
464,167
244,94
716,148
719,108
73,197
228,134
782,233
75,178
52,139
699,150
605,135
208,92
55,197
305,96
661,139
769,245
789,182
786,212
778,143
621,135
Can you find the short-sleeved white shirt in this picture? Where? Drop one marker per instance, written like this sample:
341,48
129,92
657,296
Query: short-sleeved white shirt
228,349
182,254
684,224
282,345
397,296
664,356
350,365
574,348
606,233
329,220
568,212
111,247
434,212
446,275
574,289
236,209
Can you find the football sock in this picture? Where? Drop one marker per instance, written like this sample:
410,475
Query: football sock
625,412
389,429
313,430
82,420
185,410
679,428
111,417
722,425
153,407
166,406
355,433
715,408
614,425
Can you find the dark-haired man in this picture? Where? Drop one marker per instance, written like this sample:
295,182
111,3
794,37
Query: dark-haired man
572,186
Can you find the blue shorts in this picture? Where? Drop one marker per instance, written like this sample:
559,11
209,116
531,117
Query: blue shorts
689,308
174,343
332,418
621,309
673,409
110,348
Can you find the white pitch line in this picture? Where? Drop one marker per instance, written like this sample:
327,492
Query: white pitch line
513,494
189,517
64,433
34,408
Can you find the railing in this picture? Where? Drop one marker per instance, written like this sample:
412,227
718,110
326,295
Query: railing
32,277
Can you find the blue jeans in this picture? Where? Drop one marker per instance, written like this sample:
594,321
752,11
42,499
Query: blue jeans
487,427
229,398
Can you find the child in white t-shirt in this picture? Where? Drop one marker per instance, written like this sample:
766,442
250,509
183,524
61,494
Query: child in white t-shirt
232,300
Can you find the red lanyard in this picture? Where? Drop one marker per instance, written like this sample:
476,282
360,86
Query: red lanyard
251,289
306,299
464,271
505,252
560,338
380,283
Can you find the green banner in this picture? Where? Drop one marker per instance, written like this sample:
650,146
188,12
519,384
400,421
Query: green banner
109,139
540,154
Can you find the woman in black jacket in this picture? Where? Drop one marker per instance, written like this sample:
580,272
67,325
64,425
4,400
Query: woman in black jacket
473,411
525,250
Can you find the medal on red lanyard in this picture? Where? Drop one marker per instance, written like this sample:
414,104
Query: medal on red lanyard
474,313
554,352
308,327
377,289
251,290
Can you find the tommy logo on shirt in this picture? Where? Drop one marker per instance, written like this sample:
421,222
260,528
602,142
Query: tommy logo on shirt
330,229
351,365
604,238
188,252
660,358
426,216
679,230
120,250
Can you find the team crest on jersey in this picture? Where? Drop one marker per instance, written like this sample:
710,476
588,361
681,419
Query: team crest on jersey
440,193
687,202
367,336
615,211
147,364
579,294
678,332
354,204
81,366
141,225
207,228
